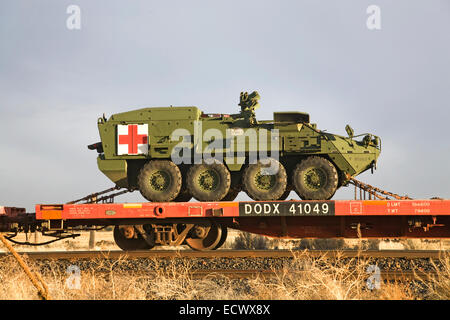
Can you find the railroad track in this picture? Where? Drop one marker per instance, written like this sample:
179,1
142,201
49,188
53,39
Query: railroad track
246,274
74,255
241,264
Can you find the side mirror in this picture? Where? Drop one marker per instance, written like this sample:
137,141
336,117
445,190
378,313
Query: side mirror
349,131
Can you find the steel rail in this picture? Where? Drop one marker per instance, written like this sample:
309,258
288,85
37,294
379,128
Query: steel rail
73,255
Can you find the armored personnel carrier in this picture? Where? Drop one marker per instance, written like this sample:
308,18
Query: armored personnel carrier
176,153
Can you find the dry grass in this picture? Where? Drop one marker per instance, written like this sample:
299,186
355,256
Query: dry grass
307,279
172,282
303,279
439,286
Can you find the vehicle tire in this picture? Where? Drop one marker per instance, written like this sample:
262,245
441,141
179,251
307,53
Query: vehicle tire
208,182
160,181
184,195
286,193
261,186
315,178
231,195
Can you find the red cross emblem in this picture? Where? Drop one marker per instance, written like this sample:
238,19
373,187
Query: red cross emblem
132,139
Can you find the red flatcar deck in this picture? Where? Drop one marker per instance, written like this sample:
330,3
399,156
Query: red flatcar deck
289,219
351,208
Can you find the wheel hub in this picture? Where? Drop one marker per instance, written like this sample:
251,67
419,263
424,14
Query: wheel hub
264,182
200,232
208,180
315,178
159,180
127,231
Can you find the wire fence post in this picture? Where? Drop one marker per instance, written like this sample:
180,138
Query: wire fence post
91,240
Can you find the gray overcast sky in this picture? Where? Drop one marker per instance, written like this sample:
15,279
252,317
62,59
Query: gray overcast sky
312,56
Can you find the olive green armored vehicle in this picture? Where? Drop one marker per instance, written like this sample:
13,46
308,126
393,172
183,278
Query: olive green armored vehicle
176,153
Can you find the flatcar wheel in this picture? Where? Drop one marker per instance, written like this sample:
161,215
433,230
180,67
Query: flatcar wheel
262,184
160,181
208,182
205,236
128,239
223,238
315,178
